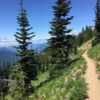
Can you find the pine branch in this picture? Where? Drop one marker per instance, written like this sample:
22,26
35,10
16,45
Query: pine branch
23,84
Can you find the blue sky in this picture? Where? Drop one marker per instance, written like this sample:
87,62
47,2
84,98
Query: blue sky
39,14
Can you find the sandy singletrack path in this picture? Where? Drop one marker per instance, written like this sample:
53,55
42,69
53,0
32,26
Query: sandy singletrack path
92,78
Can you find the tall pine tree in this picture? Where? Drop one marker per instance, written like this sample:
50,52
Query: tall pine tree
97,23
26,64
59,48
38,61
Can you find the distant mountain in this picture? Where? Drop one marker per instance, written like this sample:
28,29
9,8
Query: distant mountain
6,52
4,49
7,56
34,46
41,48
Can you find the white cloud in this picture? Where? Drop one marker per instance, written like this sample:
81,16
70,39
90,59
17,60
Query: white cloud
5,42
92,28
74,33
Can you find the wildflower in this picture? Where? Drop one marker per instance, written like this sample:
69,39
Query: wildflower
69,83
79,77
84,88
64,96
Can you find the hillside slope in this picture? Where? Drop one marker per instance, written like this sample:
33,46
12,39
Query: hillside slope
80,79
86,45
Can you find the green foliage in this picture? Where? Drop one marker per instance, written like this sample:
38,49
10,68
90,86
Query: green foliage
75,47
59,56
97,24
77,75
98,69
80,90
93,43
78,83
54,74
97,17
27,60
17,89
32,64
95,32
98,59
99,77
36,97
84,36
4,73
2,96
88,33
83,69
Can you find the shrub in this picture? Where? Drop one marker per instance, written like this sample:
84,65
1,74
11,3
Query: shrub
99,77
97,65
93,43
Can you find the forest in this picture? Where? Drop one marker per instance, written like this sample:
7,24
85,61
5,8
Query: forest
53,60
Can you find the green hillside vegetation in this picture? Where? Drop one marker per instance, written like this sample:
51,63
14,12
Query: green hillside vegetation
55,74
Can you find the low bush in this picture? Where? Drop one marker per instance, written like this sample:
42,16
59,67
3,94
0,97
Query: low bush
93,43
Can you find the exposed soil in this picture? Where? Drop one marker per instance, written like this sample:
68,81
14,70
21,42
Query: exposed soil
92,78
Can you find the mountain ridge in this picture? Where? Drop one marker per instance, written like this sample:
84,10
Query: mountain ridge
6,53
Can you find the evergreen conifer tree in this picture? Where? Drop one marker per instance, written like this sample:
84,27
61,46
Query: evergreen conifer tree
37,61
3,66
74,44
13,61
47,61
26,64
97,23
94,33
57,44
97,13
88,33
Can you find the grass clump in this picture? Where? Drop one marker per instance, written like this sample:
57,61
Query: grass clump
65,87
97,65
77,75
99,77
83,69
79,92
98,69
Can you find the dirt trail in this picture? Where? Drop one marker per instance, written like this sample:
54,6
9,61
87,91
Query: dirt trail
92,78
